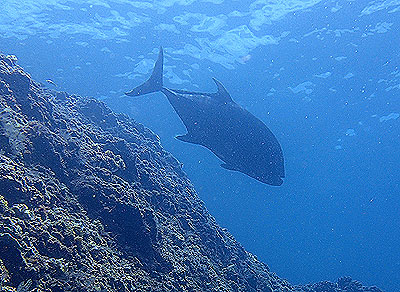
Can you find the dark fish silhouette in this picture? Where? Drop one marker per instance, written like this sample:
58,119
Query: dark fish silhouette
216,122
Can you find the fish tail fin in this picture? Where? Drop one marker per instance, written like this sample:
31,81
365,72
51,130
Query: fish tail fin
155,82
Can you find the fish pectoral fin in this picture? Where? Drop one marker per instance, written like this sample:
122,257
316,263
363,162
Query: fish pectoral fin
229,167
187,138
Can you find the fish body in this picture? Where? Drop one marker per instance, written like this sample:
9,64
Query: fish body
242,141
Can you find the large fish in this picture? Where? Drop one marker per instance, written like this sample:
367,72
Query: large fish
215,121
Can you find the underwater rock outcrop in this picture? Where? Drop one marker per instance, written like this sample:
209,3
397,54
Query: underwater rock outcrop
90,201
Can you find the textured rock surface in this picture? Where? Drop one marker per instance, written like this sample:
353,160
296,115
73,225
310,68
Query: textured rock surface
90,201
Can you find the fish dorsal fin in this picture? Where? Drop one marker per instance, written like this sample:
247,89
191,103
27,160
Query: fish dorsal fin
222,94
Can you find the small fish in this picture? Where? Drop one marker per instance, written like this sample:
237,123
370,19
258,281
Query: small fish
51,82
24,286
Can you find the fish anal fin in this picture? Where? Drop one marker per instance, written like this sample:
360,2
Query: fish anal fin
187,138
229,167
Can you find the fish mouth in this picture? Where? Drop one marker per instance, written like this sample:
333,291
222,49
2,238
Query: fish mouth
274,181
277,182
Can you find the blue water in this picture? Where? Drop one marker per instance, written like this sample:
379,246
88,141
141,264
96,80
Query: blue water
324,77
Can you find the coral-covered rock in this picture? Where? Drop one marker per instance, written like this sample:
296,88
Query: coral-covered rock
90,201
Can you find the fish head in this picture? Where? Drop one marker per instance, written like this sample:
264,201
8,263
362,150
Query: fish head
269,175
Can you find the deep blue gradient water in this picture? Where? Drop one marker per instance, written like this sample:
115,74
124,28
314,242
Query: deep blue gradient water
323,75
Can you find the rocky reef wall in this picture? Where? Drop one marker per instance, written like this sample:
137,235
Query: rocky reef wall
90,201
